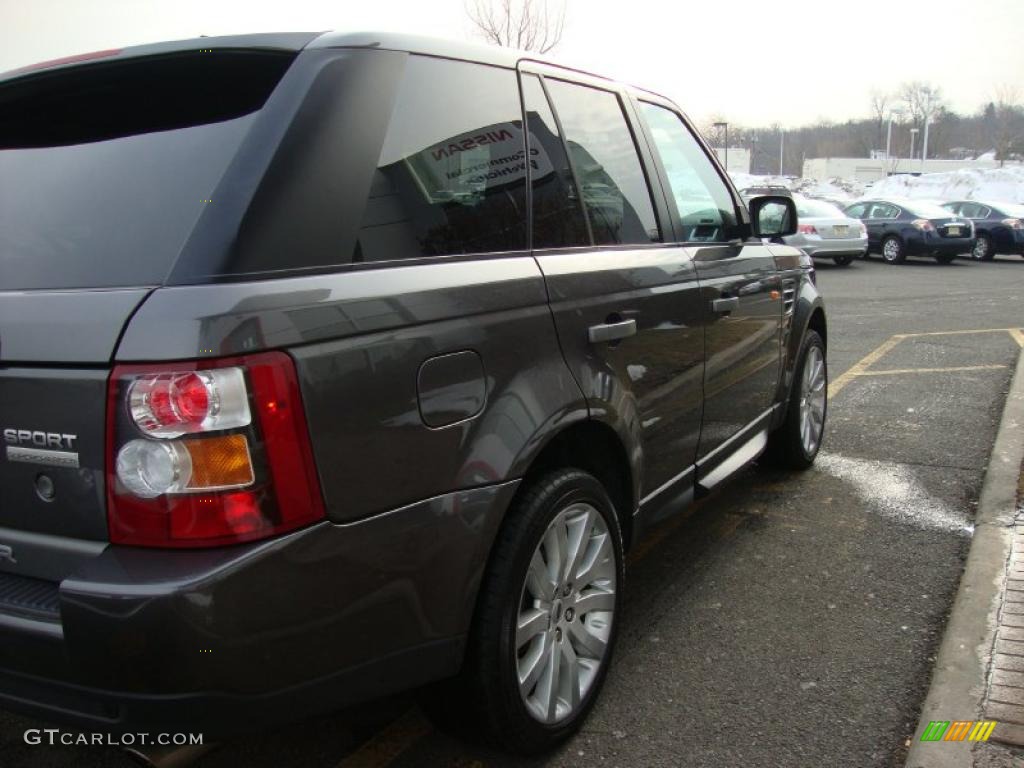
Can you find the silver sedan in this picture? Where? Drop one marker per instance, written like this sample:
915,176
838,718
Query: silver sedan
824,231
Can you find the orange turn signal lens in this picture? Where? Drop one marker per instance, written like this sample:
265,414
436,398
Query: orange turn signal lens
219,463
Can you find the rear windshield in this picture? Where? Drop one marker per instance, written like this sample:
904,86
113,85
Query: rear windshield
927,210
1012,210
105,168
817,209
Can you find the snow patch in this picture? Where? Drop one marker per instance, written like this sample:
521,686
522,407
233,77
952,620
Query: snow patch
893,490
1004,185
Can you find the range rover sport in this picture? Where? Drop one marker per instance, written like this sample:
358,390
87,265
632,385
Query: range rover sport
334,365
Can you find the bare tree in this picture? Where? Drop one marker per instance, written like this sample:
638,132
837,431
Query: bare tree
530,25
880,104
1004,122
922,100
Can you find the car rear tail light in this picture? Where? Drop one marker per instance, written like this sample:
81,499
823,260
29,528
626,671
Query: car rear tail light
172,404
208,453
806,229
924,225
1013,223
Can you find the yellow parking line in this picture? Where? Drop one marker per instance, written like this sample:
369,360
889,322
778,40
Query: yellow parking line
1018,336
882,349
389,743
959,333
895,371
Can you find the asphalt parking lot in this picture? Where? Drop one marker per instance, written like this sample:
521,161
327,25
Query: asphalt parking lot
786,620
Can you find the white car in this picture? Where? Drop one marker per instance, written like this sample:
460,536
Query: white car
824,231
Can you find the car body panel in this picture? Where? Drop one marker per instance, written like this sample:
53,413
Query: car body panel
430,387
988,220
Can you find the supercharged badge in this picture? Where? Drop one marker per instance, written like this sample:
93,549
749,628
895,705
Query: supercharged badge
51,449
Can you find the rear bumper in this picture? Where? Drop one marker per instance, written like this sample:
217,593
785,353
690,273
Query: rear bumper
224,640
933,244
822,248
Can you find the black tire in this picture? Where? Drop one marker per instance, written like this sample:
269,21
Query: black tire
983,250
785,446
484,701
843,261
945,258
898,251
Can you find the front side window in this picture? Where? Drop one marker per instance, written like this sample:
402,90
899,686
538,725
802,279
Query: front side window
451,178
607,165
705,206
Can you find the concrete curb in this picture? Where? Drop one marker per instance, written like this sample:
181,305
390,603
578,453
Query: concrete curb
957,690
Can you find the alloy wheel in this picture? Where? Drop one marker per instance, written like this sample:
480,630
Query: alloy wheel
891,249
812,400
980,249
565,616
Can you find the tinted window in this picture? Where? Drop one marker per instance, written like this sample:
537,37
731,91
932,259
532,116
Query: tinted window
856,210
928,210
104,169
706,209
452,172
883,211
557,214
604,157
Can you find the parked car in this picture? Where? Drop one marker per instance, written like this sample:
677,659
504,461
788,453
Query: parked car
900,228
998,227
766,189
824,231
295,414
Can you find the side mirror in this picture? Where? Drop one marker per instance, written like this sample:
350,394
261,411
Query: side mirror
772,216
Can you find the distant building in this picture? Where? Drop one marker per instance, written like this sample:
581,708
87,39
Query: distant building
866,169
739,159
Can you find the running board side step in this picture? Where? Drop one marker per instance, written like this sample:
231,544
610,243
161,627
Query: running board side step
736,461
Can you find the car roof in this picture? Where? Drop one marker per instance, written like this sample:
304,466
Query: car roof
296,41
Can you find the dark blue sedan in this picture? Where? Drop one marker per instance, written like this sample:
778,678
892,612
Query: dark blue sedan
900,228
998,227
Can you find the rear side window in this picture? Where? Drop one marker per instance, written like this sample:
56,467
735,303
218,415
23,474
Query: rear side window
704,204
558,220
451,178
105,168
604,156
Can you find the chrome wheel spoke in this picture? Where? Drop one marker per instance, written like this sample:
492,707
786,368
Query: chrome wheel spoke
531,623
570,676
583,529
549,684
538,580
585,642
595,600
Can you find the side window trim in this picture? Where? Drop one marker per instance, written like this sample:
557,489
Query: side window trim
568,157
665,204
739,210
742,216
634,124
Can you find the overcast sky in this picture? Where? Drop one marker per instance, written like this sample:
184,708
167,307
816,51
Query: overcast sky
754,62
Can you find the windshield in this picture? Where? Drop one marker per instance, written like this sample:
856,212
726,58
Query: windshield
927,210
104,170
817,209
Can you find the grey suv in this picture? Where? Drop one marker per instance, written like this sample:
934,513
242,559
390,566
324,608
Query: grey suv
333,365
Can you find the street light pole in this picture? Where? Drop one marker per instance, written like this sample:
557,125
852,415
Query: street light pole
924,143
888,140
726,127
